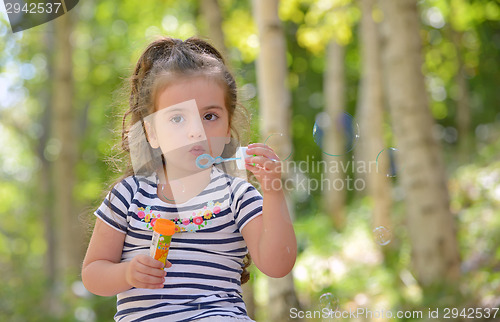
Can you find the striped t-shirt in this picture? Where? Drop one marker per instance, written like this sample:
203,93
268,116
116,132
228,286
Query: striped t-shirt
206,252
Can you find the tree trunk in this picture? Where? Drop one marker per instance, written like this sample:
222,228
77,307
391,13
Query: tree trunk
274,102
46,200
370,116
211,14
432,232
249,297
69,233
463,115
45,185
334,199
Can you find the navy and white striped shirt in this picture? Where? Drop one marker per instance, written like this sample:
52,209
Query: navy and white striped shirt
206,251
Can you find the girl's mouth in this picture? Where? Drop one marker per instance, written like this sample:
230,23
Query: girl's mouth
197,150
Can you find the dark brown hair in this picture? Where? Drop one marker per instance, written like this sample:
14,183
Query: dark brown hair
168,59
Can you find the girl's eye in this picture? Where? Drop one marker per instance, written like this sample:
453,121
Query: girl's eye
176,119
211,116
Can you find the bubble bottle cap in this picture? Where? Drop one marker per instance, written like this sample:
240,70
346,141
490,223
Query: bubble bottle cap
164,227
241,154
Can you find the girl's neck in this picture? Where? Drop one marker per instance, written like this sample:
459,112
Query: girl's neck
176,190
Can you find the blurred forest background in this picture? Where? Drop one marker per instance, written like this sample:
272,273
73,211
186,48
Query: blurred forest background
408,86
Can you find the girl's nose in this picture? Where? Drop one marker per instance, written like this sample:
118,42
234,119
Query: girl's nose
196,131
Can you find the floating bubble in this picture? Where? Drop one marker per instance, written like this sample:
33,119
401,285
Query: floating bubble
274,141
387,157
382,235
329,302
79,289
248,91
84,314
343,127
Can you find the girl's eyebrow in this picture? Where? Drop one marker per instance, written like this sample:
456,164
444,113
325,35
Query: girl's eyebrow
174,109
180,109
168,110
209,107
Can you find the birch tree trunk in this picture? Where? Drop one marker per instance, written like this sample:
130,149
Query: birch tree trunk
370,116
334,142
432,232
69,232
274,102
46,200
45,184
211,14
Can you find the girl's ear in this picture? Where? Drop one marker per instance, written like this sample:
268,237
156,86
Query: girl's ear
151,135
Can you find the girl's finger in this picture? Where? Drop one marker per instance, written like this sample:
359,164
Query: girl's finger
149,261
148,270
148,279
264,163
256,144
267,169
264,151
253,167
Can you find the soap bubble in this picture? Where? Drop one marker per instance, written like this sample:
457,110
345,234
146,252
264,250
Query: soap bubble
79,289
388,156
84,314
328,301
382,235
342,127
275,141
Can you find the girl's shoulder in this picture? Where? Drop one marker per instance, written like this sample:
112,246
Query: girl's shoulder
133,183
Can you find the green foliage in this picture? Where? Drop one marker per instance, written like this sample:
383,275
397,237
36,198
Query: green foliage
461,32
107,39
360,273
321,21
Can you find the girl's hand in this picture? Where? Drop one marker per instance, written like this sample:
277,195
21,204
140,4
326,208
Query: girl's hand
145,272
265,165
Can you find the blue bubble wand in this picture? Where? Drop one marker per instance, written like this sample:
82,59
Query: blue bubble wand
210,160
241,154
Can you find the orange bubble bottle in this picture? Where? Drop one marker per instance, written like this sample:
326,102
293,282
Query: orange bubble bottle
162,236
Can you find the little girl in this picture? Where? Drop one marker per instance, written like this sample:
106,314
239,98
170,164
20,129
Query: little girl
183,104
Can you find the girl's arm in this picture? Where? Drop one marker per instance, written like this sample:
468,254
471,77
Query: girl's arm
103,273
270,238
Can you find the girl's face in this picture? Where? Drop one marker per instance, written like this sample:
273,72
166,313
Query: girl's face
191,119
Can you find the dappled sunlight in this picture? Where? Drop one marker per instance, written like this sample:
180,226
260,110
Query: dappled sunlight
348,264
364,243
359,248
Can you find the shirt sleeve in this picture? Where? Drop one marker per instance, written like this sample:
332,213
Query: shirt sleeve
114,209
247,204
